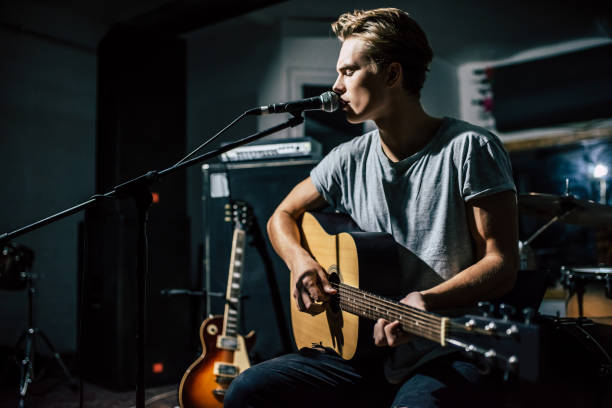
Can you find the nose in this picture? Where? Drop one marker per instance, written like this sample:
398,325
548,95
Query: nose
338,86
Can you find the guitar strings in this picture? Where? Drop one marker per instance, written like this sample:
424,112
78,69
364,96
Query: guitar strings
393,304
358,302
424,316
433,323
422,322
389,304
430,333
389,314
393,312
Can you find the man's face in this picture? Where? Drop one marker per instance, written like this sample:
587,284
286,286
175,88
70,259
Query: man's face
361,88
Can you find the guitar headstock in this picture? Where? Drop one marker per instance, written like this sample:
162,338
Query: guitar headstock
240,214
510,346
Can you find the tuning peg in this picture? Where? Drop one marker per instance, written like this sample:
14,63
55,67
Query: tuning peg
528,314
227,206
228,219
507,311
511,367
487,308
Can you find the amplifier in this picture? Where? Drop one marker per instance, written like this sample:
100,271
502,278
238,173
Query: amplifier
275,150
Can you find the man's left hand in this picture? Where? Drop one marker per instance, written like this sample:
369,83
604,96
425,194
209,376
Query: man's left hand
388,333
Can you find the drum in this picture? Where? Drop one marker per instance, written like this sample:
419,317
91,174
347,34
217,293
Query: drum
589,292
15,261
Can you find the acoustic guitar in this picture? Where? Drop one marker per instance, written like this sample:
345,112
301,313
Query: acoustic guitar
344,251
224,350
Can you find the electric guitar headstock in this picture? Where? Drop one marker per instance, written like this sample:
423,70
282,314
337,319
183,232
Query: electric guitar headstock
496,341
240,214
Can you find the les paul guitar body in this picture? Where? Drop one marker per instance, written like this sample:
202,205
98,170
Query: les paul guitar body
206,380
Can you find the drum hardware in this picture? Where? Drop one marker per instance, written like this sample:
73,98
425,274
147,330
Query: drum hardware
566,208
16,261
526,255
584,343
589,292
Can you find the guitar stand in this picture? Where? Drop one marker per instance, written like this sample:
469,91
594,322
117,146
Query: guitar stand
29,336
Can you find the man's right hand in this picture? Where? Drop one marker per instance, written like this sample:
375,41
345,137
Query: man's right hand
311,289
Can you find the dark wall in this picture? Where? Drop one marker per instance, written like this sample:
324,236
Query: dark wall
47,134
228,66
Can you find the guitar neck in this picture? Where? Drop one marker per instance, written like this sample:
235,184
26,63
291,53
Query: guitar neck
412,320
231,317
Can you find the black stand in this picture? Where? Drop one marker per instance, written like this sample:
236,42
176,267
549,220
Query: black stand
29,335
139,190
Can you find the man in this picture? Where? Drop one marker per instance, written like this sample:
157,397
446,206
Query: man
442,187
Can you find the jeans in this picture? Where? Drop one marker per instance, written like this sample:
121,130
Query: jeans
315,378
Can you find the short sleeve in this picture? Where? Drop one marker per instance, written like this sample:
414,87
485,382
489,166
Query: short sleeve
486,169
327,175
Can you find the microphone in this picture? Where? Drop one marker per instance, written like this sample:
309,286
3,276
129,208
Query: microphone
328,101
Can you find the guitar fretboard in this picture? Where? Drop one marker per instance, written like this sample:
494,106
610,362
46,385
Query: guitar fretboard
231,317
412,320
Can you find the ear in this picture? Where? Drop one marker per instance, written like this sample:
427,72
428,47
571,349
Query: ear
394,74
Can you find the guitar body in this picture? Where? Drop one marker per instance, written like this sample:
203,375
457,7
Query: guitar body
201,385
337,244
343,251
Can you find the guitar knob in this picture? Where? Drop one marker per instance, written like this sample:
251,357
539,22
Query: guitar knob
507,311
528,313
487,308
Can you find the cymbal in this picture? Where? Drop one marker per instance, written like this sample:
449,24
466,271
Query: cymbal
581,212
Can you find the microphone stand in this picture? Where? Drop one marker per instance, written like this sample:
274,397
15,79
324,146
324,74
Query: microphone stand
139,189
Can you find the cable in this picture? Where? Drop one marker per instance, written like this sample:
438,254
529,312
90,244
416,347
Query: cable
232,123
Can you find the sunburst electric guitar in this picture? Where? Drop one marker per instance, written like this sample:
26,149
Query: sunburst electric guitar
344,251
224,350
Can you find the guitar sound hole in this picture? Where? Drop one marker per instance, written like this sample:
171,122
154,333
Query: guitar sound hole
334,302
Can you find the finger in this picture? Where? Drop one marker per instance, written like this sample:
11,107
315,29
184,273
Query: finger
316,295
306,280
309,284
392,333
328,289
380,339
310,306
298,300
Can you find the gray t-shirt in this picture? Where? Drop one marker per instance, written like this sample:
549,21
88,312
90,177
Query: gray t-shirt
420,200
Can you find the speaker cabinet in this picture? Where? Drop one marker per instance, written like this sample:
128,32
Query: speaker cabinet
110,301
265,288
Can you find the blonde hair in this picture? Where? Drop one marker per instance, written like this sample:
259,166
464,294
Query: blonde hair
390,35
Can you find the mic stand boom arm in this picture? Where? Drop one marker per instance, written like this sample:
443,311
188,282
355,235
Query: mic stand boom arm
139,189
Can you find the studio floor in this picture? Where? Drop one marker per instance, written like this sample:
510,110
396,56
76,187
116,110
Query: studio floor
51,389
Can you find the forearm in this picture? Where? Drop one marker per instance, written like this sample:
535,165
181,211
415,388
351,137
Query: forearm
285,237
489,278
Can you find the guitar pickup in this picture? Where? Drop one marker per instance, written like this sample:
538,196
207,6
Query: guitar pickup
225,370
227,343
